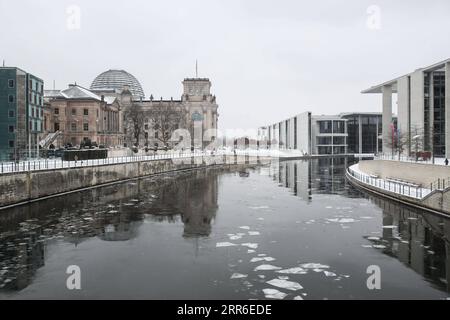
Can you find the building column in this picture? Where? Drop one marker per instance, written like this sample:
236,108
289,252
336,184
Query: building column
447,110
360,134
387,117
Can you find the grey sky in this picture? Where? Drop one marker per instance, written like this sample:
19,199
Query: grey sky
267,60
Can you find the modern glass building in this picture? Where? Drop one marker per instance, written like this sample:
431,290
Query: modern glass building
364,132
423,101
21,113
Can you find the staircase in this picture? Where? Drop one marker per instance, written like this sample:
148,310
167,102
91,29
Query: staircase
48,140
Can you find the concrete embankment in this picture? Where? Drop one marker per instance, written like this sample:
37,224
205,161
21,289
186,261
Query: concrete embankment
423,175
24,187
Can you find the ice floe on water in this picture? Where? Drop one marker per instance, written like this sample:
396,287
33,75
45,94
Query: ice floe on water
314,266
254,233
298,298
266,267
329,274
250,245
259,207
250,251
342,220
268,259
238,276
295,270
285,284
244,227
224,244
274,294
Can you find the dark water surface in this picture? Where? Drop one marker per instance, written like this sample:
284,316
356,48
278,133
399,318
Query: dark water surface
170,238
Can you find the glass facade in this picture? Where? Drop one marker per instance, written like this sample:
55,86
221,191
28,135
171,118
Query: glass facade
439,113
369,140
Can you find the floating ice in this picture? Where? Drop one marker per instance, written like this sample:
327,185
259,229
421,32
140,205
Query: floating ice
268,259
261,276
283,277
329,274
285,284
250,245
379,246
317,270
259,207
245,227
266,267
296,270
262,255
274,294
298,298
250,251
224,244
254,233
234,237
373,238
238,276
314,266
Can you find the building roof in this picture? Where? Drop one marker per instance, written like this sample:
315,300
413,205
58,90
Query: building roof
73,92
393,82
117,80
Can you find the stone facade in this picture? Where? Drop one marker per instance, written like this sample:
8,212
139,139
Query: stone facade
81,115
197,106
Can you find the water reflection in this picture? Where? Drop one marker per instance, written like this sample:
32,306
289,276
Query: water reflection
112,213
416,238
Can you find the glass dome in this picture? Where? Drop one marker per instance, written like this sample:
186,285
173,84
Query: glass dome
116,80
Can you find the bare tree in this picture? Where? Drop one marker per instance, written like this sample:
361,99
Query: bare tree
165,120
134,118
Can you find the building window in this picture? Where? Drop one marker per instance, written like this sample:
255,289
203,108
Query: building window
32,112
11,129
10,98
10,83
86,126
325,126
11,143
11,113
156,134
74,111
86,112
56,126
338,126
73,126
56,111
146,127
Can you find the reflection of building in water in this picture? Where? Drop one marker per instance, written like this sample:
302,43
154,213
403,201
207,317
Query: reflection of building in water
195,198
419,240
304,177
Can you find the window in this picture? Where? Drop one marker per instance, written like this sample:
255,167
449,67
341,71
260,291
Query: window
338,126
86,112
11,143
11,83
156,134
74,112
56,111
56,126
40,101
339,140
11,113
32,112
146,127
73,126
325,126
86,126
10,98
11,129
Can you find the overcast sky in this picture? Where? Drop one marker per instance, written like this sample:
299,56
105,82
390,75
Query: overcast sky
267,60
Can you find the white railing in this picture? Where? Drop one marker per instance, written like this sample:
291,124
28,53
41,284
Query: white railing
51,164
398,187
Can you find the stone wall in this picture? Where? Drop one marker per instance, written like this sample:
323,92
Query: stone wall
24,187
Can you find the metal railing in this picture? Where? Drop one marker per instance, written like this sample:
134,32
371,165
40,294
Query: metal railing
440,184
58,163
398,187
